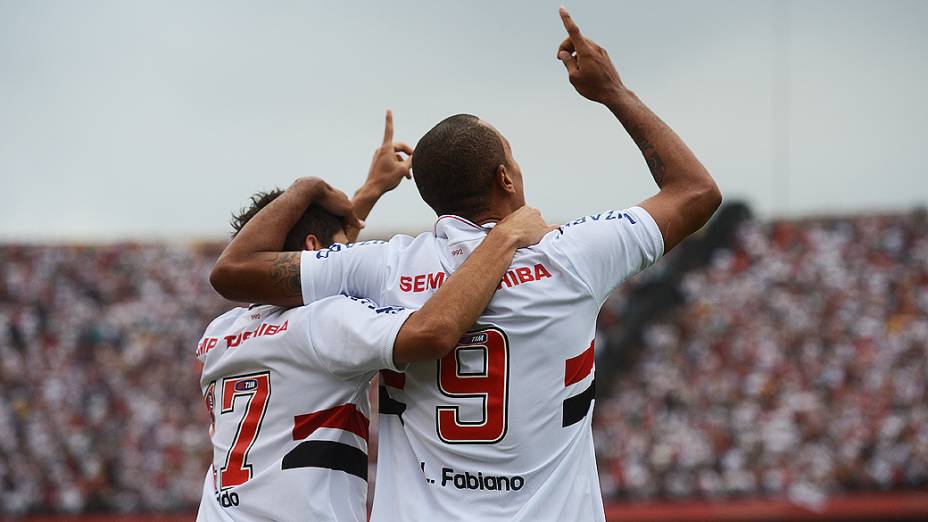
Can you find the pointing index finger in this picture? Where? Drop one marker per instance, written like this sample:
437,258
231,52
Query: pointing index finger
572,30
388,129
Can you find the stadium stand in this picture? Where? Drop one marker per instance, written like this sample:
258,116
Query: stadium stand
796,367
779,362
99,409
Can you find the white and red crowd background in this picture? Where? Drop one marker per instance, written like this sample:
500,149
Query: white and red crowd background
764,370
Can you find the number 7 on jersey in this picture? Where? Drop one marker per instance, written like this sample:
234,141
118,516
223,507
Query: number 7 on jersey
255,389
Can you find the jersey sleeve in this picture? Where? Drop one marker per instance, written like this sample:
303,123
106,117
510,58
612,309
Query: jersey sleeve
351,336
354,269
605,249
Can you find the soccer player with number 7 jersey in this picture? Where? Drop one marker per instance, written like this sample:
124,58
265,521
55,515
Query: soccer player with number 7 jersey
287,388
500,427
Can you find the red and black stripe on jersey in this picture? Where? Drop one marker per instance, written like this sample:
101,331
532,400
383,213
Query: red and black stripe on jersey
329,454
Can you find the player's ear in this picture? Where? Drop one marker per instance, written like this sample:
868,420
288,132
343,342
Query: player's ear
312,242
504,179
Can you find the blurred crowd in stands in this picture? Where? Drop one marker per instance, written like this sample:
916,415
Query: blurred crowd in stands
797,366
100,408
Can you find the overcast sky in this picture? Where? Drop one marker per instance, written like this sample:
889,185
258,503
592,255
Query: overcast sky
124,119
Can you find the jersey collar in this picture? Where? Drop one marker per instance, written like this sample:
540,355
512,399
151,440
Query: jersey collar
461,236
456,229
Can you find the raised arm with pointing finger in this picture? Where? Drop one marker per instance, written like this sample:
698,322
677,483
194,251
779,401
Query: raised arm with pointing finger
388,168
252,267
688,195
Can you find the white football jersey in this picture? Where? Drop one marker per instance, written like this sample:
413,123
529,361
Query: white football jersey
500,428
287,391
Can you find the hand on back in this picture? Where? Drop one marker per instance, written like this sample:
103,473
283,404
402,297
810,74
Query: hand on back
525,226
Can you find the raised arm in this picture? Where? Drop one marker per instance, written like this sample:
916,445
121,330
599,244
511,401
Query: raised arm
252,267
388,168
688,195
434,330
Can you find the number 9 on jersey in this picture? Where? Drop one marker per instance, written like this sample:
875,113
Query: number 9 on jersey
460,375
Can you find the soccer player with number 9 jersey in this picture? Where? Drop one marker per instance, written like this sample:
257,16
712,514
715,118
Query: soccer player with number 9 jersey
500,427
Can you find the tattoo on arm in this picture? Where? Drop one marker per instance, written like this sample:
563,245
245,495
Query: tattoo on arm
654,161
285,273
651,157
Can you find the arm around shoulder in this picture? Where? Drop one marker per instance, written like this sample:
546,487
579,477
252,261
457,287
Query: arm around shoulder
261,277
252,267
435,329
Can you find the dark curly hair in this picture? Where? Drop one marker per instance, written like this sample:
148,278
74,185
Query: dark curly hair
315,221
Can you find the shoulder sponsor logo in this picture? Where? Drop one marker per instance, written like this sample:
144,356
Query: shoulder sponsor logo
377,309
340,247
610,215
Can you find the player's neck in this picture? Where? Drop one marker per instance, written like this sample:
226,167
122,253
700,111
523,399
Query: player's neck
490,215
487,217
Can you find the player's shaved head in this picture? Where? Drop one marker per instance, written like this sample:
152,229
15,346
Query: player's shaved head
315,221
455,164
